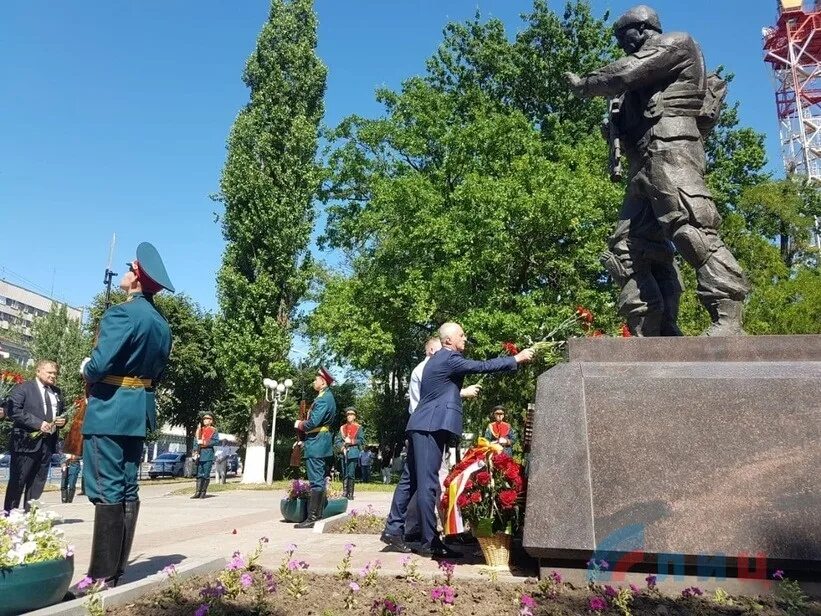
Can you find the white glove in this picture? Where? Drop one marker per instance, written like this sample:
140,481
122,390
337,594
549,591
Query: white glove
83,365
296,424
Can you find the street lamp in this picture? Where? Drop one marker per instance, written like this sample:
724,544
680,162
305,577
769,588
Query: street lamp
275,393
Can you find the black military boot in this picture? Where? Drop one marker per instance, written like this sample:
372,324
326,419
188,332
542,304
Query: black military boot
131,511
64,495
315,507
351,484
205,483
70,495
198,492
107,541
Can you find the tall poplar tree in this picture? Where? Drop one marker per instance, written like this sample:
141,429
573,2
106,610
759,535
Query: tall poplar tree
268,184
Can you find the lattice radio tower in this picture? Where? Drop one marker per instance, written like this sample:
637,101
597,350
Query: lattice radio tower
793,49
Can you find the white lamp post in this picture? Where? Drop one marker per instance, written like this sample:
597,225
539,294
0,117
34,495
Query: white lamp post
274,393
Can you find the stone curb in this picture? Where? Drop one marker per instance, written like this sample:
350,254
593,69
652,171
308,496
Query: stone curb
319,527
127,593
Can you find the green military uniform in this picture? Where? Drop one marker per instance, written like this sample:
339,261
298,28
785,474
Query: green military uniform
205,458
350,452
68,482
131,353
318,447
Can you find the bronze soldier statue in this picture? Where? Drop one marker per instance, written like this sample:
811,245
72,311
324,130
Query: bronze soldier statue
667,104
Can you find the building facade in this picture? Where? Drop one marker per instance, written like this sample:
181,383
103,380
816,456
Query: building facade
18,309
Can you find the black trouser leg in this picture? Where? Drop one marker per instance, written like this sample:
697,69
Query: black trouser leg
131,511
107,542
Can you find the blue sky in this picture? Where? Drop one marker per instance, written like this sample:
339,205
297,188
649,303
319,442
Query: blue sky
115,114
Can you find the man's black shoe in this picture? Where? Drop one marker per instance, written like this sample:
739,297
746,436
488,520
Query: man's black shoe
413,537
439,551
395,542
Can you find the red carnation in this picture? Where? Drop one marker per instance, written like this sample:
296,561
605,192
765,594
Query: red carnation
518,483
468,485
476,497
510,348
511,472
508,498
598,333
463,500
483,478
501,460
625,331
446,482
584,314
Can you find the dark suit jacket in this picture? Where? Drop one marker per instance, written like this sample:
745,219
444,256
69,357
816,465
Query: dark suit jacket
28,412
440,406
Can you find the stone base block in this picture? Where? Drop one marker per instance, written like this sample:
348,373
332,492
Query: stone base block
679,449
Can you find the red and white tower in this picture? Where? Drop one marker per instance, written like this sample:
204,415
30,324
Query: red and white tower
793,49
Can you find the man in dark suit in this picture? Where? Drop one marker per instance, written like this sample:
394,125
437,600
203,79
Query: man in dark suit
36,408
437,418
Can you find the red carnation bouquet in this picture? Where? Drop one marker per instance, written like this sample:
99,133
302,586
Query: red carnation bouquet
8,380
485,490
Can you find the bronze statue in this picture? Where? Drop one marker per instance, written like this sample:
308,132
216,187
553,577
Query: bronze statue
664,105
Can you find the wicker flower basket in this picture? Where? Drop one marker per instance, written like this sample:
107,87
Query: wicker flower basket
496,550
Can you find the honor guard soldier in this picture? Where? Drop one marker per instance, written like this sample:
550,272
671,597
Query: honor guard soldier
350,438
206,437
131,353
71,468
318,445
499,431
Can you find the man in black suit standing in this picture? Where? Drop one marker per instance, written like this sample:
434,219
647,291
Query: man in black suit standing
36,408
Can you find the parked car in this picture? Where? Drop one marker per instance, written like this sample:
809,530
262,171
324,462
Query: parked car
5,460
169,463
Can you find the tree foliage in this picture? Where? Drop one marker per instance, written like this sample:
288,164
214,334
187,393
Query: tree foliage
267,186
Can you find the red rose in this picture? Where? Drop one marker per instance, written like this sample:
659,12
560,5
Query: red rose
468,485
507,498
518,483
483,478
501,460
511,472
463,500
476,497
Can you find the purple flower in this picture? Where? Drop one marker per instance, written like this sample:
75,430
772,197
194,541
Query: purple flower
527,601
610,592
651,581
636,590
354,587
597,604
270,582
202,610
86,582
291,547
263,540
169,570
444,594
692,591
246,579
447,567
555,577
405,560
349,548
236,563
215,592
778,575
354,513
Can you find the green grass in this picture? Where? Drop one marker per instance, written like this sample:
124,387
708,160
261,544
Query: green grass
281,485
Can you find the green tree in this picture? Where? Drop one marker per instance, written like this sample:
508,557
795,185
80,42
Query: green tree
58,337
474,199
267,187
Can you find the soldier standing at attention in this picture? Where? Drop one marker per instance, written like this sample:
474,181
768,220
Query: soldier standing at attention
499,431
207,437
669,106
318,446
125,366
350,438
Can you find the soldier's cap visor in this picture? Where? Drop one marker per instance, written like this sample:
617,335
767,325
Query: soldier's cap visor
153,267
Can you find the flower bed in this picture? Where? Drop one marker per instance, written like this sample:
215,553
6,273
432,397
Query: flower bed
245,588
358,522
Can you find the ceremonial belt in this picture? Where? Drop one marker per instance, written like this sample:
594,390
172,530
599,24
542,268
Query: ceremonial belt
134,382
320,429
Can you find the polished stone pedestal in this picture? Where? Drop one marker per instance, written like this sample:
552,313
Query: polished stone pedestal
682,450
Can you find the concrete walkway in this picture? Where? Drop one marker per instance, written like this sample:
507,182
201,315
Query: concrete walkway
174,528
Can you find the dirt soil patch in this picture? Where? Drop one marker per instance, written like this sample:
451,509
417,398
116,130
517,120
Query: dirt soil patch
325,595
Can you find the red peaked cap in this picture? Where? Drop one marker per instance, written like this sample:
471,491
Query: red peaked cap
326,375
149,285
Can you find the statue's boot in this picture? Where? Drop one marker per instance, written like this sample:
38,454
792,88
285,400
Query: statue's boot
726,316
107,541
646,325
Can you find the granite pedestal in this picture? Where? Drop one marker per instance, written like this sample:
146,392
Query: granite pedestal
693,451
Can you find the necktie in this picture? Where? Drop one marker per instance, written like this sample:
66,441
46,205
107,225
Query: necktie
49,409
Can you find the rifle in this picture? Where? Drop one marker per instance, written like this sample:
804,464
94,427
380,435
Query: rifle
296,450
73,442
614,139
